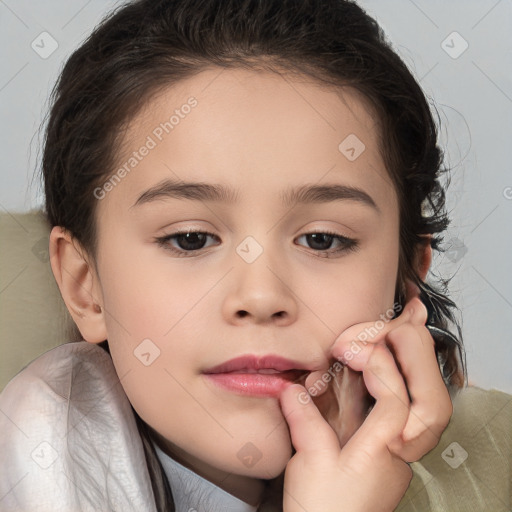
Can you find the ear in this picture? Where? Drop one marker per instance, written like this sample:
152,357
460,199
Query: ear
78,285
423,257
421,264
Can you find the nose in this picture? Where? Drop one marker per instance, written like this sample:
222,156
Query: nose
260,294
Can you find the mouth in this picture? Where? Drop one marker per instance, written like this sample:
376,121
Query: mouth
264,376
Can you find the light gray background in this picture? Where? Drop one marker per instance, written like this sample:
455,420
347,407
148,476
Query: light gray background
471,89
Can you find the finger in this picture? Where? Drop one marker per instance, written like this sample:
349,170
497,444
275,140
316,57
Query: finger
354,346
316,383
431,408
384,382
341,397
414,349
308,429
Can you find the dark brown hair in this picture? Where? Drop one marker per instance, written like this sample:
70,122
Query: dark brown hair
148,45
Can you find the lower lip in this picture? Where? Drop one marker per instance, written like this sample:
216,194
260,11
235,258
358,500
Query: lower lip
254,384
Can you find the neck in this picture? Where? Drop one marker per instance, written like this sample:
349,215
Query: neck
244,488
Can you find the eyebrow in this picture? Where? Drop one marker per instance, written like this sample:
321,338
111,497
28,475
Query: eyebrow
308,194
305,194
170,189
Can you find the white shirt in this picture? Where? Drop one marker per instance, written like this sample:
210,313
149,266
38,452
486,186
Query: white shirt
69,443
192,493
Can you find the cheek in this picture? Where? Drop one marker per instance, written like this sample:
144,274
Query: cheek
145,295
377,280
356,290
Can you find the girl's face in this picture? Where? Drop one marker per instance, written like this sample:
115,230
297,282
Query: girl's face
252,164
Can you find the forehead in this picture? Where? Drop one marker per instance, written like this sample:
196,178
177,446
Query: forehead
249,128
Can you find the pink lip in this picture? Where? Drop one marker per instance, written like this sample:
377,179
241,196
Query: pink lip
256,375
253,362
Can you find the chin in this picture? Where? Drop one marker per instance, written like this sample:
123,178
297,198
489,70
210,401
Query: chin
271,457
271,469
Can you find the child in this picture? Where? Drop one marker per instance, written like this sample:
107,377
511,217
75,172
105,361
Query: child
243,198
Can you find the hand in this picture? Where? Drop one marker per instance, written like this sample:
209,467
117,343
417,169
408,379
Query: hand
364,466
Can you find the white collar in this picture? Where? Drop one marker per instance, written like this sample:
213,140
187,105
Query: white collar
193,493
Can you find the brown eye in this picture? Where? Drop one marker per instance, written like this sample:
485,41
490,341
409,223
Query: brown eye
327,244
189,241
319,241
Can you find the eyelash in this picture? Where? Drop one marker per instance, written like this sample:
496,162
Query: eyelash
164,241
348,244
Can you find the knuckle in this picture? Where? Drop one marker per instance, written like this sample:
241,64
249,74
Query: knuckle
435,417
403,332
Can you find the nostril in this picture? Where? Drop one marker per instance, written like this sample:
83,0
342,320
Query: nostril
242,314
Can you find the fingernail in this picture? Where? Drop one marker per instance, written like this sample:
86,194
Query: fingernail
419,314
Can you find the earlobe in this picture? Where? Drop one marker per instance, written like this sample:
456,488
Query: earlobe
423,258
78,284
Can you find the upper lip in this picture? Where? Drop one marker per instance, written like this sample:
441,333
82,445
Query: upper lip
254,363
